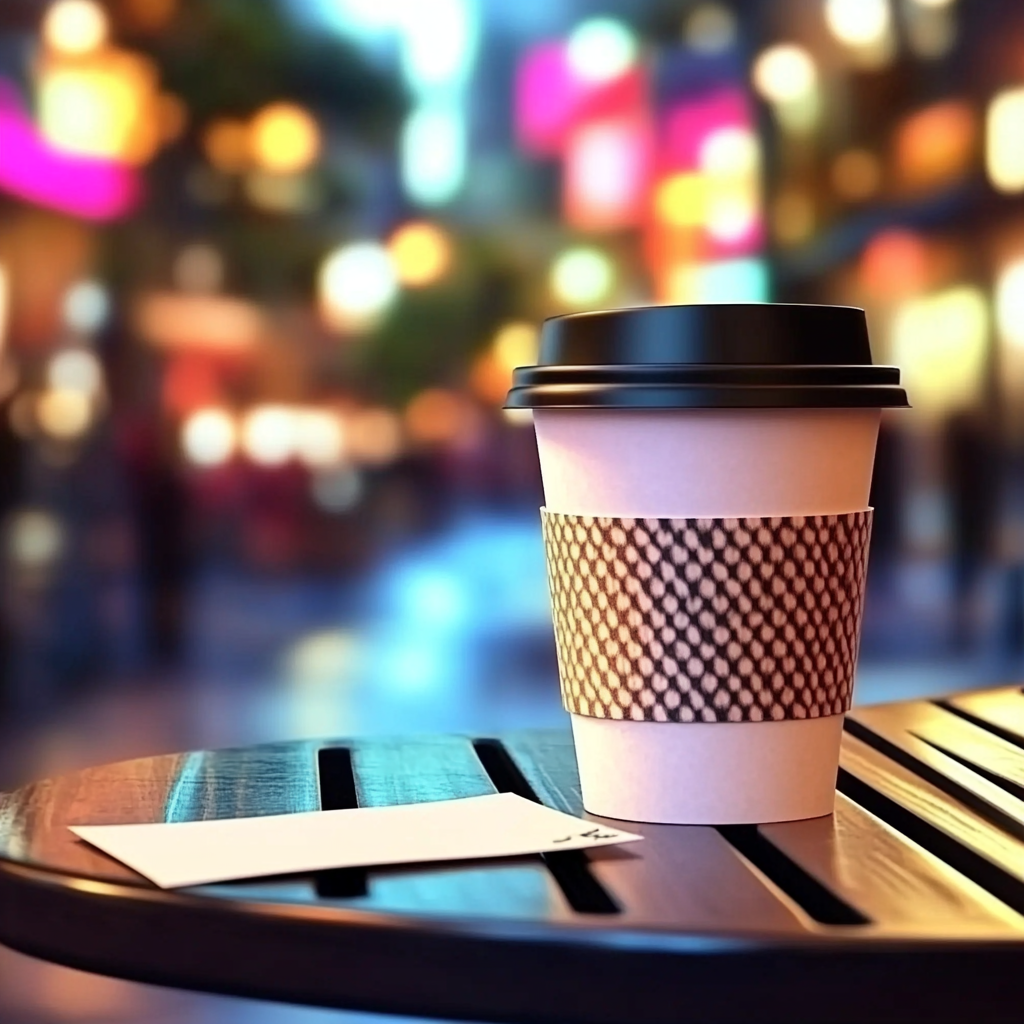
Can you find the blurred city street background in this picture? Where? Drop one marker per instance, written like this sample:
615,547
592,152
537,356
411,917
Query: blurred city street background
266,267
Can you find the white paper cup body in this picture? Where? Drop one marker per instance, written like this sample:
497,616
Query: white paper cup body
699,463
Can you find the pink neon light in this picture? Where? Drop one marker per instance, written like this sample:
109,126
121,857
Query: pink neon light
81,186
688,124
547,95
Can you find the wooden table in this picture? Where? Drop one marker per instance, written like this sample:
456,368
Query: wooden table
905,905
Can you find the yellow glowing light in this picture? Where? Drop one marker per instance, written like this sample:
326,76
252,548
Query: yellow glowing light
435,416
357,283
856,174
785,73
226,144
105,107
681,200
1009,301
421,253
730,151
858,22
515,344
63,413
375,436
1004,142
75,370
75,27
268,434
209,437
319,437
939,343
582,275
934,3
284,138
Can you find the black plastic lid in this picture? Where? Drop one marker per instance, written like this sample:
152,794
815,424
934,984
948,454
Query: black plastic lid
755,355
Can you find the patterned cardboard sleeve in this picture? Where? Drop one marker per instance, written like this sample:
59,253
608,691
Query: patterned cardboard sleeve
707,620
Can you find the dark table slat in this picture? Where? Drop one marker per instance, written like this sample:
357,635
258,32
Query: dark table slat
686,876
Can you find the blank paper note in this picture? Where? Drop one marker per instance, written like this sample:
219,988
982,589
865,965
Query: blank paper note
198,852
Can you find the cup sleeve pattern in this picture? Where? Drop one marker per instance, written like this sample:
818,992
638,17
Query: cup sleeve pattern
707,620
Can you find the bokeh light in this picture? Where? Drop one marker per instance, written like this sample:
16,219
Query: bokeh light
75,370
581,276
601,49
75,27
319,437
681,200
516,344
785,73
86,306
105,106
939,345
209,437
357,283
894,263
375,436
63,413
284,138
421,253
1004,141
35,538
1009,303
432,152
436,416
858,22
936,145
268,434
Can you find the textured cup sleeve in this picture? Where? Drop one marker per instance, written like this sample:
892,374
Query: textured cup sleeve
707,620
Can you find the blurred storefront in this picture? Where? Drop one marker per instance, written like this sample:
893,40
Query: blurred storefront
266,267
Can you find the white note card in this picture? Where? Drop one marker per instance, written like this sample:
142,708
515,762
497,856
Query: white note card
198,852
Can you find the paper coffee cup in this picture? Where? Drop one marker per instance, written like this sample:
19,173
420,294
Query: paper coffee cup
706,475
